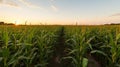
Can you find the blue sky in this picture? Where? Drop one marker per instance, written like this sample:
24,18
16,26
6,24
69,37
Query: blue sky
60,11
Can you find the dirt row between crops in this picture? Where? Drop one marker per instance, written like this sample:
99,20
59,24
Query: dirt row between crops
59,52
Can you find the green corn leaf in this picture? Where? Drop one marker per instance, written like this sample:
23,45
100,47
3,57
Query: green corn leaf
98,51
72,51
69,57
1,59
84,62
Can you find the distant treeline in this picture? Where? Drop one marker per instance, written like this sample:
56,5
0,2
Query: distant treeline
3,23
113,24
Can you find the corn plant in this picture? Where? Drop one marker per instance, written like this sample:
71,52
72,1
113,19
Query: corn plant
78,49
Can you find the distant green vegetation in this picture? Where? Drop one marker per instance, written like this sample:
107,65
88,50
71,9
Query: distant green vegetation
60,46
2,23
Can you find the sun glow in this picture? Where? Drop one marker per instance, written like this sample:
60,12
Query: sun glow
17,22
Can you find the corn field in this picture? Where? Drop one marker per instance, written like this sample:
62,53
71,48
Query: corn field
60,46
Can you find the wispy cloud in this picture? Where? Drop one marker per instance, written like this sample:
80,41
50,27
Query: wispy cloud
29,4
11,3
52,3
15,3
117,14
8,3
26,3
54,8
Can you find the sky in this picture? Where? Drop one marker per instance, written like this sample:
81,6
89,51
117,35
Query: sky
83,12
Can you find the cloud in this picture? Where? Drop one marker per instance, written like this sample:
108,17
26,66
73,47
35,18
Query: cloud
54,8
29,4
11,3
8,3
52,3
20,3
117,14
15,3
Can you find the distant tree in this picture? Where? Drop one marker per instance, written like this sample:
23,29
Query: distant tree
1,23
115,24
10,24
